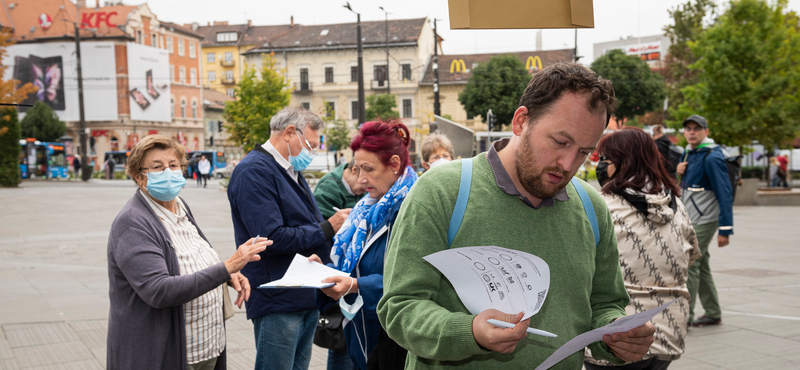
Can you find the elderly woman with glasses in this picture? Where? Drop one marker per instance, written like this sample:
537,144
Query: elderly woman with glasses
165,280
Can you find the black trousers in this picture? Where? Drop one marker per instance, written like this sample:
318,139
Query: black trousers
387,355
649,364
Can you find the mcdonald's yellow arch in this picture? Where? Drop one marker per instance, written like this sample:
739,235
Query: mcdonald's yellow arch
458,65
533,62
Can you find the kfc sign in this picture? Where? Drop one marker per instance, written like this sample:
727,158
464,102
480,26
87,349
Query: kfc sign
643,49
93,20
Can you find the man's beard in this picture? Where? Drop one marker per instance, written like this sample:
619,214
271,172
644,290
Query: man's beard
534,179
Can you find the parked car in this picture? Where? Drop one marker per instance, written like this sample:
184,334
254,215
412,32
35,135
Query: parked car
225,172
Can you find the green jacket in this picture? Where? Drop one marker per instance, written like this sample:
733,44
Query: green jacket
421,311
330,192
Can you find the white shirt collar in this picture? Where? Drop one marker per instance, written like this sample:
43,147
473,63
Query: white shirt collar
279,158
346,186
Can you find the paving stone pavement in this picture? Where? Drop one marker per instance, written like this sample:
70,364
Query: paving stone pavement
54,283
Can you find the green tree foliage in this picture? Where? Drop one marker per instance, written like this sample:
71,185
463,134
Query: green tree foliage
497,85
690,20
750,74
260,95
42,123
337,135
638,89
381,107
9,148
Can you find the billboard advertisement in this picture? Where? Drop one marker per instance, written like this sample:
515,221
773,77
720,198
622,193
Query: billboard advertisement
148,81
52,67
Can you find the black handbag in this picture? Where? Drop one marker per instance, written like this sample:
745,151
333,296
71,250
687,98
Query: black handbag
329,333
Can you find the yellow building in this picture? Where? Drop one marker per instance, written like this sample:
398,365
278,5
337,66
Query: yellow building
223,45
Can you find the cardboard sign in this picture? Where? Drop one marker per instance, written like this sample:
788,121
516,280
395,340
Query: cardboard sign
521,14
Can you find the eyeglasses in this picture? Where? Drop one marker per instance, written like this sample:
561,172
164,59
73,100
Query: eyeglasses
311,150
158,169
693,129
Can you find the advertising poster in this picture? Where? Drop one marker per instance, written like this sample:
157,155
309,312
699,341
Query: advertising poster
52,67
148,80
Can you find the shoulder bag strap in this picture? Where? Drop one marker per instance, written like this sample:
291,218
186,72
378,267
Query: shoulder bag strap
461,201
588,207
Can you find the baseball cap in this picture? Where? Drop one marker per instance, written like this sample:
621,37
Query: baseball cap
697,119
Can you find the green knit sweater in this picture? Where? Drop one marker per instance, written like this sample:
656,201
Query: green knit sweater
330,192
421,311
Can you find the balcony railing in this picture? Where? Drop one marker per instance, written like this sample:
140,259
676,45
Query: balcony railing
227,63
380,84
228,81
303,87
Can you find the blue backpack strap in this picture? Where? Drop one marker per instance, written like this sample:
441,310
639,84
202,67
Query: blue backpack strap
588,207
461,201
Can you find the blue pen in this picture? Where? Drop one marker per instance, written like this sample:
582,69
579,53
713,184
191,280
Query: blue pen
503,324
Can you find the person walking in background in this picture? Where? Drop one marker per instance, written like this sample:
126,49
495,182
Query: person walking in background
655,239
203,169
269,197
76,165
708,196
192,168
436,150
670,154
783,174
109,167
774,172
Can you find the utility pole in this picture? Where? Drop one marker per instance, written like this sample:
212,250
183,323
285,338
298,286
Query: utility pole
436,107
85,172
388,80
362,113
575,52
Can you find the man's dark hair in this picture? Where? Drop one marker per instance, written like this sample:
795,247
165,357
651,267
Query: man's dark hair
552,82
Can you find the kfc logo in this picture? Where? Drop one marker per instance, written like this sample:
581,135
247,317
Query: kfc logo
93,20
45,21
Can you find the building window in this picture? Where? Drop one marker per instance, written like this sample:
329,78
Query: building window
211,57
169,44
304,79
183,108
354,109
407,113
379,74
172,108
226,36
154,40
406,71
171,73
229,75
193,76
231,92
212,76
306,105
139,37
194,109
229,56
180,47
328,75
192,53
182,75
330,109
354,74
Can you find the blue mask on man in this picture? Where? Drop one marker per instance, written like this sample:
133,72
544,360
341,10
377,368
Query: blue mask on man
303,159
166,185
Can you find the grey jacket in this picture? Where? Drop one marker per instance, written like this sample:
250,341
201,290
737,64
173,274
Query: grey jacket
146,326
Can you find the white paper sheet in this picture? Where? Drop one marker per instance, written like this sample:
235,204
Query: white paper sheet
493,277
303,273
622,324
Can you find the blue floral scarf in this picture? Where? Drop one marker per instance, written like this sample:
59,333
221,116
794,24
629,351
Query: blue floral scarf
366,215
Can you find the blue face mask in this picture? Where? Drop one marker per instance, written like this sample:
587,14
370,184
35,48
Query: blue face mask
350,310
166,185
303,159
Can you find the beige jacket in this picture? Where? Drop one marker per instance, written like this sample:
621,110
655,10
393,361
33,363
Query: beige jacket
655,251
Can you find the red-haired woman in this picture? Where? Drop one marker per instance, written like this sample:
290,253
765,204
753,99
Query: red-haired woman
655,239
381,155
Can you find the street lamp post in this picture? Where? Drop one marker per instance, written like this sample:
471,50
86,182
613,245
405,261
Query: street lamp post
388,80
436,107
85,173
362,114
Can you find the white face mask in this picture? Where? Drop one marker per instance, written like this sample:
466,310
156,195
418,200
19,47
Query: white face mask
350,310
439,161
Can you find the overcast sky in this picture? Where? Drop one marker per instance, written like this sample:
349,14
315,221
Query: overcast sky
614,19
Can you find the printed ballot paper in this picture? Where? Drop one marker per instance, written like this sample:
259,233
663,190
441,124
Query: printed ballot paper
493,277
303,273
620,325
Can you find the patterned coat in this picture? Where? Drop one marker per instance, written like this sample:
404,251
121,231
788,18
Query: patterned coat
656,244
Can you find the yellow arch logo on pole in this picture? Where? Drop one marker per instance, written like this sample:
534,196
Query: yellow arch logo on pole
533,62
458,65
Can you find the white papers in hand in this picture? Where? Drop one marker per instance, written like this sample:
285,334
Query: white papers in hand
303,273
620,325
493,277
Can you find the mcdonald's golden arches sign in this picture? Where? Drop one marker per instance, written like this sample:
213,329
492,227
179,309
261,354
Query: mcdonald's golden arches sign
458,65
533,62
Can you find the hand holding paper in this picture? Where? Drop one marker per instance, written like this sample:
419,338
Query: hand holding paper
303,273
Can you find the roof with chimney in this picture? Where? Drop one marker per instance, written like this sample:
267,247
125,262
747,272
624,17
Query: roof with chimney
174,27
213,99
246,34
402,32
457,69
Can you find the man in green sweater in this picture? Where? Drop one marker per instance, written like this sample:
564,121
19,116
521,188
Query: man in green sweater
339,188
520,199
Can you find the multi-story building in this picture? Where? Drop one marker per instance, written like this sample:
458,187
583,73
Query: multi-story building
131,69
652,49
321,65
223,45
218,138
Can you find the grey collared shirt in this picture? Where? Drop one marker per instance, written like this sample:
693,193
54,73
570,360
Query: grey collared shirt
505,183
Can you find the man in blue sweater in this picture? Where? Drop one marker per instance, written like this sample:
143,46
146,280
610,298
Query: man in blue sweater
708,197
270,198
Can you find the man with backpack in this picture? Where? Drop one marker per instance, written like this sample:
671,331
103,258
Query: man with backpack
708,195
669,151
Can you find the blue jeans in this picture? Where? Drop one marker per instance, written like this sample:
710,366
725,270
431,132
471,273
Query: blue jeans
340,360
284,339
